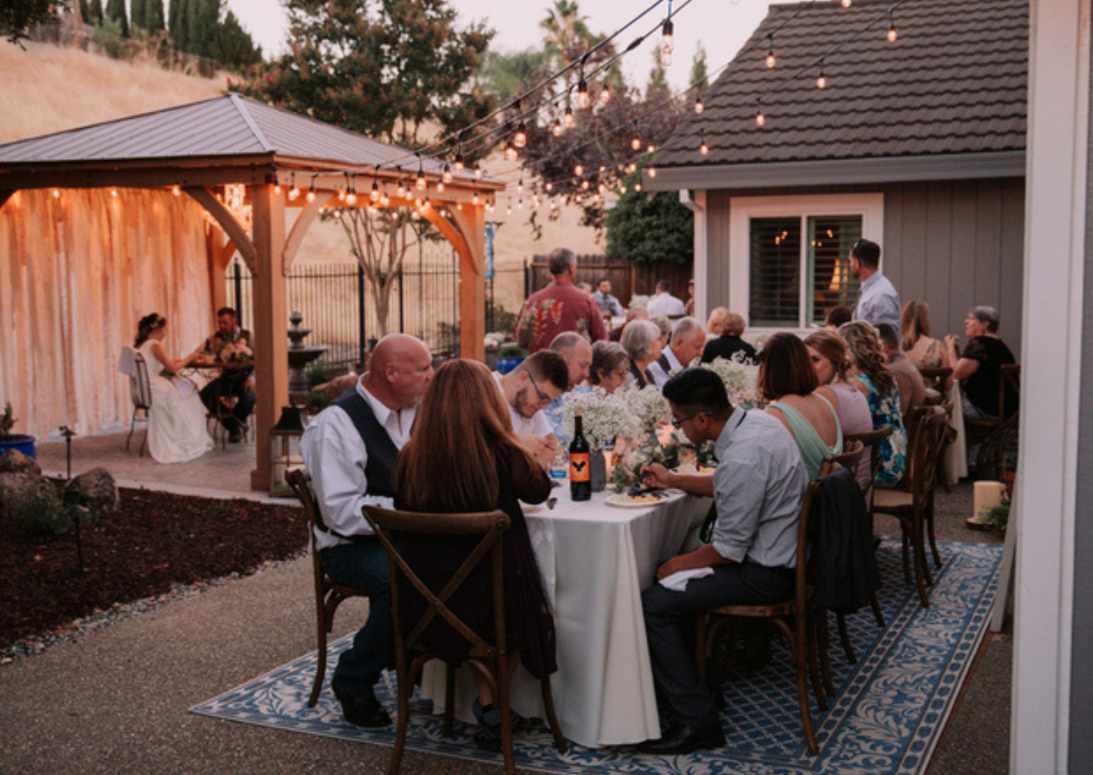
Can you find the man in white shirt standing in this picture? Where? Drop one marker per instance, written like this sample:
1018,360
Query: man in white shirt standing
350,452
879,301
528,390
664,303
687,342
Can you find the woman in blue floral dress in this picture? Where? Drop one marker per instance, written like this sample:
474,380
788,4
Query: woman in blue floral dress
872,378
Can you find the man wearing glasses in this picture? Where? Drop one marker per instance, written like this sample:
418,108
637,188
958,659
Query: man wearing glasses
757,490
528,390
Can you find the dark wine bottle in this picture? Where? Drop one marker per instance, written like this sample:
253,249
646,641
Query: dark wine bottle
580,464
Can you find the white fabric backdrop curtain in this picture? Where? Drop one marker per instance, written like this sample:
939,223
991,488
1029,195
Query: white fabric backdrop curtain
76,274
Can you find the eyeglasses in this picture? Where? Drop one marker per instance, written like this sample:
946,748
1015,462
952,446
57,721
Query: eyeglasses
677,422
543,397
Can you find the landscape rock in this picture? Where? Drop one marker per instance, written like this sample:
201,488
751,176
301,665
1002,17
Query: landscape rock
94,492
33,502
15,462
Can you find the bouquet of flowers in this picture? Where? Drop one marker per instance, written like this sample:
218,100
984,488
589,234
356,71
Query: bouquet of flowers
648,409
627,469
605,416
740,379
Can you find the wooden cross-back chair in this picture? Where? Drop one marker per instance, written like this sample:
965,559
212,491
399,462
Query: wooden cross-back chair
140,393
793,618
997,436
913,507
489,657
328,594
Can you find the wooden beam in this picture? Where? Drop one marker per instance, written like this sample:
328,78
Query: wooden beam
133,178
301,225
227,222
472,281
270,325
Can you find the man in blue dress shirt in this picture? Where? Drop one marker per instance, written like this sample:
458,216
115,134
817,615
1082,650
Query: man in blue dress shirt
879,301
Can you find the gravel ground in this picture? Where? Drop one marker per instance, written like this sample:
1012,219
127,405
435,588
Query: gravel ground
116,699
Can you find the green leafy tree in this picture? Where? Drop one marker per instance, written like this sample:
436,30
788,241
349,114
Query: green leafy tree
18,16
657,86
506,75
138,14
233,46
116,13
392,71
202,19
648,228
173,10
153,15
699,71
94,12
85,12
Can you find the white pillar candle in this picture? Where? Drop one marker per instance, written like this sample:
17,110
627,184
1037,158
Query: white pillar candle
986,496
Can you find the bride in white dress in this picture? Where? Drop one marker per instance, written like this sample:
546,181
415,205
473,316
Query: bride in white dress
176,422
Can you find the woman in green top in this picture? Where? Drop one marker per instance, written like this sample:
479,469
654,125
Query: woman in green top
788,382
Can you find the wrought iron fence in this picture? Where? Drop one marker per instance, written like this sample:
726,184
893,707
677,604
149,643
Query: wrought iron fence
338,304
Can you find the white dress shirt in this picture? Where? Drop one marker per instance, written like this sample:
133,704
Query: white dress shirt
660,376
879,302
664,304
536,425
335,456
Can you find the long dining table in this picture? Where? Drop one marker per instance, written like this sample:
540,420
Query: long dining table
595,560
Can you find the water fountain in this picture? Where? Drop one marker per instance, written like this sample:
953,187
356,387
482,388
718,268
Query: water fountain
299,356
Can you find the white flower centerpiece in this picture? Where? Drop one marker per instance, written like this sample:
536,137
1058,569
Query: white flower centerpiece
604,416
741,379
649,414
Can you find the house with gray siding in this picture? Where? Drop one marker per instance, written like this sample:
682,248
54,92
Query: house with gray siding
917,144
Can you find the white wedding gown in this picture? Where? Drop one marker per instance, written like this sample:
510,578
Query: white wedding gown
176,422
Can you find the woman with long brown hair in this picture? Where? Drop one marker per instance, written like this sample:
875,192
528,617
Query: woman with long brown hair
463,457
915,340
870,375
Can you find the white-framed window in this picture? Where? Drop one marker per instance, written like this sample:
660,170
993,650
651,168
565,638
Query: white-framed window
789,256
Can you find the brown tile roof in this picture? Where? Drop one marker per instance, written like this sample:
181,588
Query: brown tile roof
220,127
955,81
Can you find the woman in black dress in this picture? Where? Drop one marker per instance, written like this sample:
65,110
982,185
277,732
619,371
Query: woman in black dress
463,457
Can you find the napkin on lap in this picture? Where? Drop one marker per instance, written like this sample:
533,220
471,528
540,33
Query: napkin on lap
677,582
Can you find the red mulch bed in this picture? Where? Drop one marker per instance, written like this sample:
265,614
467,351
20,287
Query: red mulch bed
152,540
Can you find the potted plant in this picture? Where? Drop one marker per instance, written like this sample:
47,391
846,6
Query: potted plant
9,440
509,356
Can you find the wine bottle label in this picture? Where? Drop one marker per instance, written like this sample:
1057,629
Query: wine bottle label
579,467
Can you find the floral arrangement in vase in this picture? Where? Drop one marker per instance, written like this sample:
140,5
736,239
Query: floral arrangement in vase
604,416
740,379
647,407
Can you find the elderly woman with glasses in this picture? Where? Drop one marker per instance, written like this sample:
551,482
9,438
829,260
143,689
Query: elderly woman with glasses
642,343
610,366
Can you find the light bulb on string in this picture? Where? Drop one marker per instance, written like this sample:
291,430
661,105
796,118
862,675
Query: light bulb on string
637,187
584,100
294,192
556,129
401,190
699,106
585,185
510,152
375,193
703,149
477,172
771,59
421,184
650,148
847,3
341,194
277,189
440,187
385,201
578,170
351,197
459,165
475,199
622,188
447,173
893,36
635,144
520,185
549,186
56,193
520,136
652,171
567,118
602,188
666,43
605,94
760,119
821,79
176,190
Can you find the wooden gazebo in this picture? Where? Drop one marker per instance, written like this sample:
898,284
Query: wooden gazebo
272,159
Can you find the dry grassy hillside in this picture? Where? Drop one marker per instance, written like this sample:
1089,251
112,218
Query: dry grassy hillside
50,89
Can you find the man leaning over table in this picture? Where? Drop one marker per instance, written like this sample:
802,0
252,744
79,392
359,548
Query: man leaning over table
757,489
529,389
229,343
350,452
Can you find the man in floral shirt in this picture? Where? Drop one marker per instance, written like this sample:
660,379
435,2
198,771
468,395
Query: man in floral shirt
558,308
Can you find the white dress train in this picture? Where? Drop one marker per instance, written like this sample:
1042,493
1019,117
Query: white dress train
177,431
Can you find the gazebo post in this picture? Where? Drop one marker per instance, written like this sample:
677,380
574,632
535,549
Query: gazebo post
270,316
472,282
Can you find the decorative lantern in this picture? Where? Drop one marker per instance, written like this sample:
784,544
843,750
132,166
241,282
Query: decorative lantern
290,425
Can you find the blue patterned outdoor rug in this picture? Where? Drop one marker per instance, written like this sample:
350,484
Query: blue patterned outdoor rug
887,715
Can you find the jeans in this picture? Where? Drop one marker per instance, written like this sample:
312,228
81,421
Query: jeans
228,385
363,564
670,626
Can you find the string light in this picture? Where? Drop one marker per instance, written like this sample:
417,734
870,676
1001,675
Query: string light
176,190
699,107
447,173
401,191
474,199
114,193
893,36
821,79
771,59
520,185
294,192
584,101
277,189
847,3
760,119
341,194
351,196
557,129
635,144
420,184
311,190
637,187
652,171
666,43
650,148
477,171
520,137
578,170
605,94
585,185
459,165
568,118
510,152
702,147
375,194
385,201
56,193
549,186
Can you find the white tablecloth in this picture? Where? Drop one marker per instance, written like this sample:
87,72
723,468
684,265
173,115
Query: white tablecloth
595,560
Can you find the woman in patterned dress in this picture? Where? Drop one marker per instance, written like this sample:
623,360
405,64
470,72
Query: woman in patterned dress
870,375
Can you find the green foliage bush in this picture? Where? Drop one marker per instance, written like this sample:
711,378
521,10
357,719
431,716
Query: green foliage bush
647,229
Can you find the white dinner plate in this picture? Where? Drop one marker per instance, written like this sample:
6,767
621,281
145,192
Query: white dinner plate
624,501
531,508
